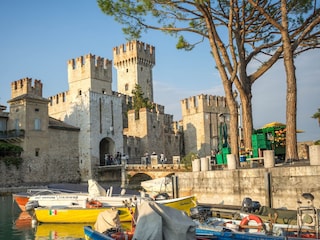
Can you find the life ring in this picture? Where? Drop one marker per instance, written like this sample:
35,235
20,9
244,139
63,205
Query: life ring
94,204
244,222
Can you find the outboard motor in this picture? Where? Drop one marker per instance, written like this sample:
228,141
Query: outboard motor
200,213
162,196
247,205
31,205
256,206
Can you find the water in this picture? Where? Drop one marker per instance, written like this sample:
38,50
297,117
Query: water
16,225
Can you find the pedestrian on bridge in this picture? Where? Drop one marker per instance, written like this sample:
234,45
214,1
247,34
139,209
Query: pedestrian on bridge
146,155
162,159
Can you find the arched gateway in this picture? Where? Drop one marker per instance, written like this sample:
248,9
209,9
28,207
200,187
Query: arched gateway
106,147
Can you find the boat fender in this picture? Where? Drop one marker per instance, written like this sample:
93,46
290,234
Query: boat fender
244,222
94,204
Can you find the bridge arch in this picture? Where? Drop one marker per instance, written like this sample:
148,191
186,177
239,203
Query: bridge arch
135,178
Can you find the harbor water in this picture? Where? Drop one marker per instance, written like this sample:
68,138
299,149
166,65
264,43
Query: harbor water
16,225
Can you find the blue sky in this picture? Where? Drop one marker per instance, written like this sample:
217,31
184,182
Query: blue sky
39,37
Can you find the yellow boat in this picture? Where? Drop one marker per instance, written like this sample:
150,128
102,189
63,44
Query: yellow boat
75,215
89,215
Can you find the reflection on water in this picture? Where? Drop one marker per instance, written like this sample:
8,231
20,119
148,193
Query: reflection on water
60,231
17,225
11,227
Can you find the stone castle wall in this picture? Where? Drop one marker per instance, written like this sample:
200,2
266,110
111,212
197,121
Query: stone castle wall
230,187
201,123
59,163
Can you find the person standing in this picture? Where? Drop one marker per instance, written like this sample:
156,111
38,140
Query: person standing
162,158
146,155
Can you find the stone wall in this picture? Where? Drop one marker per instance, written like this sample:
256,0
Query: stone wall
59,163
286,184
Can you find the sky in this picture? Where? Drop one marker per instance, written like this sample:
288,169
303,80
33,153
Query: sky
39,37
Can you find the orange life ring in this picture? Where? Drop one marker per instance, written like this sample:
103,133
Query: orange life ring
244,222
94,204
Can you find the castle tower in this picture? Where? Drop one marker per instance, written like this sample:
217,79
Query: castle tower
92,106
201,123
134,62
90,73
29,114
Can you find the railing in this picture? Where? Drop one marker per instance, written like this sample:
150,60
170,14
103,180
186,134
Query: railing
11,134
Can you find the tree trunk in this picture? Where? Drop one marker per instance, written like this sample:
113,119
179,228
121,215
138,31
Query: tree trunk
247,124
291,109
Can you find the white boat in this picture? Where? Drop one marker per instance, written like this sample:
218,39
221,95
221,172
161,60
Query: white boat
158,186
97,196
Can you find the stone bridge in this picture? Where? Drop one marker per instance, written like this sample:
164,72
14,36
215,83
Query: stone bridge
153,171
135,173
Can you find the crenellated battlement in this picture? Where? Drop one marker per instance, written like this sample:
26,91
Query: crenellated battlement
89,60
203,103
59,98
24,86
89,66
134,52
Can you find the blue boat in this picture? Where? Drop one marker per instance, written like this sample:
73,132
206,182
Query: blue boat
212,234
91,234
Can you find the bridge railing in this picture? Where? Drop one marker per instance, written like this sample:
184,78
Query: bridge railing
155,167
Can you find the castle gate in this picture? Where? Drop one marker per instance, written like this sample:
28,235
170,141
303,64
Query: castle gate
106,147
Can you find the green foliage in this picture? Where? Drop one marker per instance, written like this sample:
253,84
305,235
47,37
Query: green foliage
317,116
12,160
139,101
9,149
317,142
187,160
183,44
10,154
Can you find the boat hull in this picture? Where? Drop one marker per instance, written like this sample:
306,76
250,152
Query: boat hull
91,234
76,215
21,199
89,215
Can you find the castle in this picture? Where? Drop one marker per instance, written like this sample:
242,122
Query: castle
66,137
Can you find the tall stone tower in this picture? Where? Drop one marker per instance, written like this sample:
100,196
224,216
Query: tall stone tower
90,72
29,113
134,62
91,105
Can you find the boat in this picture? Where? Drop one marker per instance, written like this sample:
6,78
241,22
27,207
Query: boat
62,214
108,226
151,221
157,186
95,197
252,226
23,198
224,229
82,214
91,234
300,224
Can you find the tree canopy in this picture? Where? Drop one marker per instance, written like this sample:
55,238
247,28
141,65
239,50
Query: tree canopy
237,32
138,99
317,116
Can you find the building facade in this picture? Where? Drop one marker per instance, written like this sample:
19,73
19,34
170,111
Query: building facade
203,117
74,131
